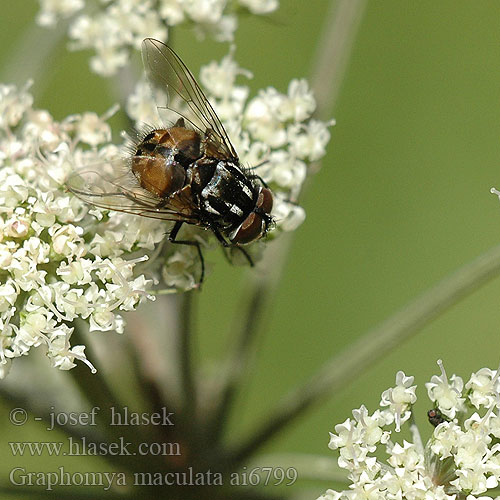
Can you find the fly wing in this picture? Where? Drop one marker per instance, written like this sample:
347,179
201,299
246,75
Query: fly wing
119,191
170,77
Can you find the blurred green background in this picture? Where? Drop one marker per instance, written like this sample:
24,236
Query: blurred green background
401,201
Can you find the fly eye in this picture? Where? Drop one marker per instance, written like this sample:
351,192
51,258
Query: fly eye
250,230
265,200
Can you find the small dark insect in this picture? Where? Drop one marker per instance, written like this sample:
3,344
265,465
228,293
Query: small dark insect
436,417
187,173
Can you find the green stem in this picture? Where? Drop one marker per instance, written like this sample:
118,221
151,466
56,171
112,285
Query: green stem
188,387
94,387
334,50
236,370
370,347
335,46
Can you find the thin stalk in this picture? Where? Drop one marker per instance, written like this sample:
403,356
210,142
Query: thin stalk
188,386
335,46
97,391
152,394
143,351
415,434
236,368
93,386
367,349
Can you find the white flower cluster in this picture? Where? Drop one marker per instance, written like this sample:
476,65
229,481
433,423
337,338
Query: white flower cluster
60,259
273,132
461,460
112,27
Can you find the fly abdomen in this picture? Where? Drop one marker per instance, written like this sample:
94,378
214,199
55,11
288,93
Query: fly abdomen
162,158
160,175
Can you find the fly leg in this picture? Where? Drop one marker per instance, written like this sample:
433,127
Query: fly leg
262,181
254,176
172,238
225,244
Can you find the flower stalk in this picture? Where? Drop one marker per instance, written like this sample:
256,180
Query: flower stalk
373,345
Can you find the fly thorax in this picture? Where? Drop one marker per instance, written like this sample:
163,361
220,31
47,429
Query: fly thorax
201,173
229,195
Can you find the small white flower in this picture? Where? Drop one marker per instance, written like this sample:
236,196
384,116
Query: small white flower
400,398
346,435
447,436
103,320
172,11
474,481
373,432
483,387
182,269
286,170
262,118
141,106
260,6
309,140
42,126
67,240
17,227
37,249
5,254
446,394
76,272
8,295
62,355
13,104
204,11
289,216
299,105
51,10
90,128
219,78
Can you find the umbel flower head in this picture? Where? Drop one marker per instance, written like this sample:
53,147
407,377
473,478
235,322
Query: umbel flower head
60,260
63,260
112,27
461,460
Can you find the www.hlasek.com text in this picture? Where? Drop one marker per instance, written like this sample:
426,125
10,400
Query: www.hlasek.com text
77,447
